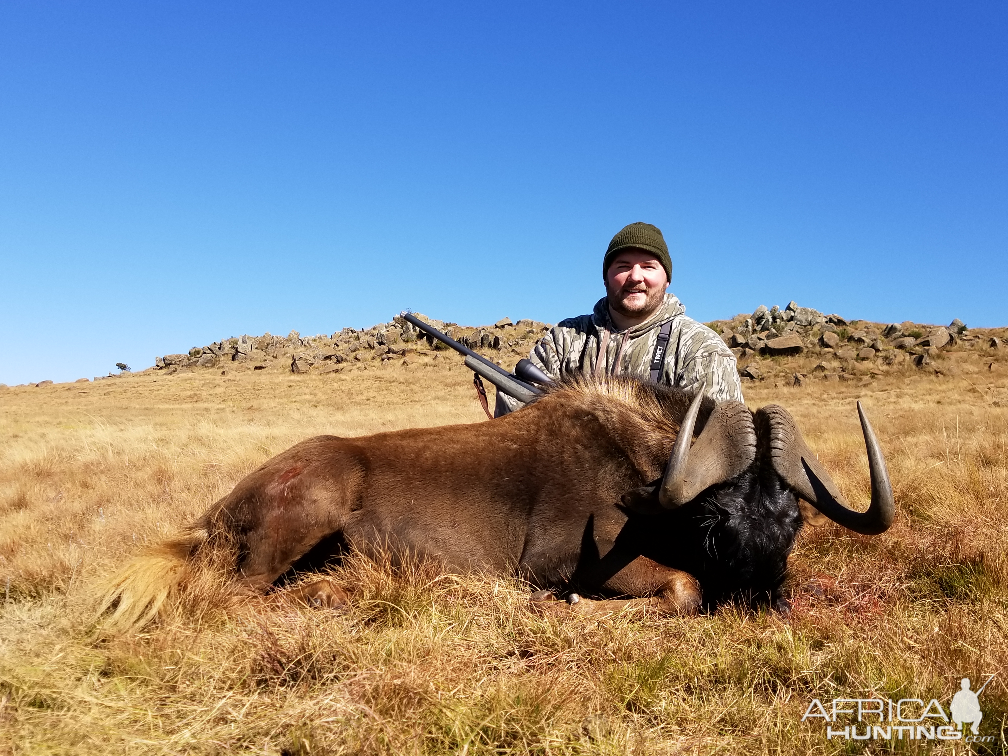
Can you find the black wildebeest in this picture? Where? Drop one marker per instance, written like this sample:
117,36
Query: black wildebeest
618,489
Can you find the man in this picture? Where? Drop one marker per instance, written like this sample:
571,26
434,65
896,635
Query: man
637,328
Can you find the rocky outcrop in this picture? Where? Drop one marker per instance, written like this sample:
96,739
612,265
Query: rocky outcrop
322,354
795,330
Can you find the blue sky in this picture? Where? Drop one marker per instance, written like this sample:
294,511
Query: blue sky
171,173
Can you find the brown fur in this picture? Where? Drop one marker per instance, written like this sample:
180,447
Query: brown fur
535,492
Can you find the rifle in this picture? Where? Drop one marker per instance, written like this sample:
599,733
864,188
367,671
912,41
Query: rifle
521,386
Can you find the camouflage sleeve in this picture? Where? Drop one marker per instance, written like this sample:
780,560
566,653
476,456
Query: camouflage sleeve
704,359
556,353
559,351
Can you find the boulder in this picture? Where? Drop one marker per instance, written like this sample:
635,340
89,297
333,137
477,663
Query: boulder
846,354
829,339
495,342
859,338
760,314
206,360
957,326
755,342
83,380
836,320
738,340
790,344
866,354
892,331
503,323
937,338
799,380
40,384
159,362
806,316
994,343
196,352
176,360
751,371
300,365
906,342
921,360
820,368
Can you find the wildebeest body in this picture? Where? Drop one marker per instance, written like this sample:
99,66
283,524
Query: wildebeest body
584,490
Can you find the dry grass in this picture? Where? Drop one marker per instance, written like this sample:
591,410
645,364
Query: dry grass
431,664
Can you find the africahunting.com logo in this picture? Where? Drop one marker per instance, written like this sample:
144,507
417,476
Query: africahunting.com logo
905,719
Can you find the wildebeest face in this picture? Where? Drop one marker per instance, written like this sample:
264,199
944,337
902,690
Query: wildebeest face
736,496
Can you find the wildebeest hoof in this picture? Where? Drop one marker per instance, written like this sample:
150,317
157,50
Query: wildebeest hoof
322,594
542,596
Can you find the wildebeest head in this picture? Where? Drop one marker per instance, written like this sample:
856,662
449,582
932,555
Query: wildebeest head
746,485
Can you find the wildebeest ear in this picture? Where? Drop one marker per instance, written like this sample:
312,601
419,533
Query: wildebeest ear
810,515
644,500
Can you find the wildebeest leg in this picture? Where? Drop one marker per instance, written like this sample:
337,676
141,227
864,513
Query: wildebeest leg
321,593
663,588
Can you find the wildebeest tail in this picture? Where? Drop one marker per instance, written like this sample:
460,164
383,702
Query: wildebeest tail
135,595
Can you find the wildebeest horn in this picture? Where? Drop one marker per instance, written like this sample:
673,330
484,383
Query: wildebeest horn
724,449
806,476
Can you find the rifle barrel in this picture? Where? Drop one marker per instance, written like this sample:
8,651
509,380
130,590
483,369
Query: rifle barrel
462,349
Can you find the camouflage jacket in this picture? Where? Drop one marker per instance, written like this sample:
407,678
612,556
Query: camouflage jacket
590,344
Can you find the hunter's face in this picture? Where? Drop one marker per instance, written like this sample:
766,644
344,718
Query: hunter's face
635,284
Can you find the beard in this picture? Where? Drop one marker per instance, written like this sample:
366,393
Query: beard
635,308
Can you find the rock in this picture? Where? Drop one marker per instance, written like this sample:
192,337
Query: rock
937,338
176,360
846,354
792,306
503,323
738,340
790,344
244,346
159,362
775,313
799,380
820,368
40,384
83,380
828,327
206,360
760,314
866,354
300,365
858,337
892,331
755,342
836,320
495,342
994,343
957,326
751,371
829,339
907,342
806,316
921,360
331,367
893,357
195,352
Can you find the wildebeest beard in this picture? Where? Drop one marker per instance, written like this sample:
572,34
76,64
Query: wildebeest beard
735,537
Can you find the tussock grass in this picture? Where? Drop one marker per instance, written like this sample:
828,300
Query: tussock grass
425,663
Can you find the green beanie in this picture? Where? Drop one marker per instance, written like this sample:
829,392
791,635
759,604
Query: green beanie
642,236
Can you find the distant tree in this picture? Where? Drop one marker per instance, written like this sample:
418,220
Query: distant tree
123,367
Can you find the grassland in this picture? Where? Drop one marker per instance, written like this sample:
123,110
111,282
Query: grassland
431,664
